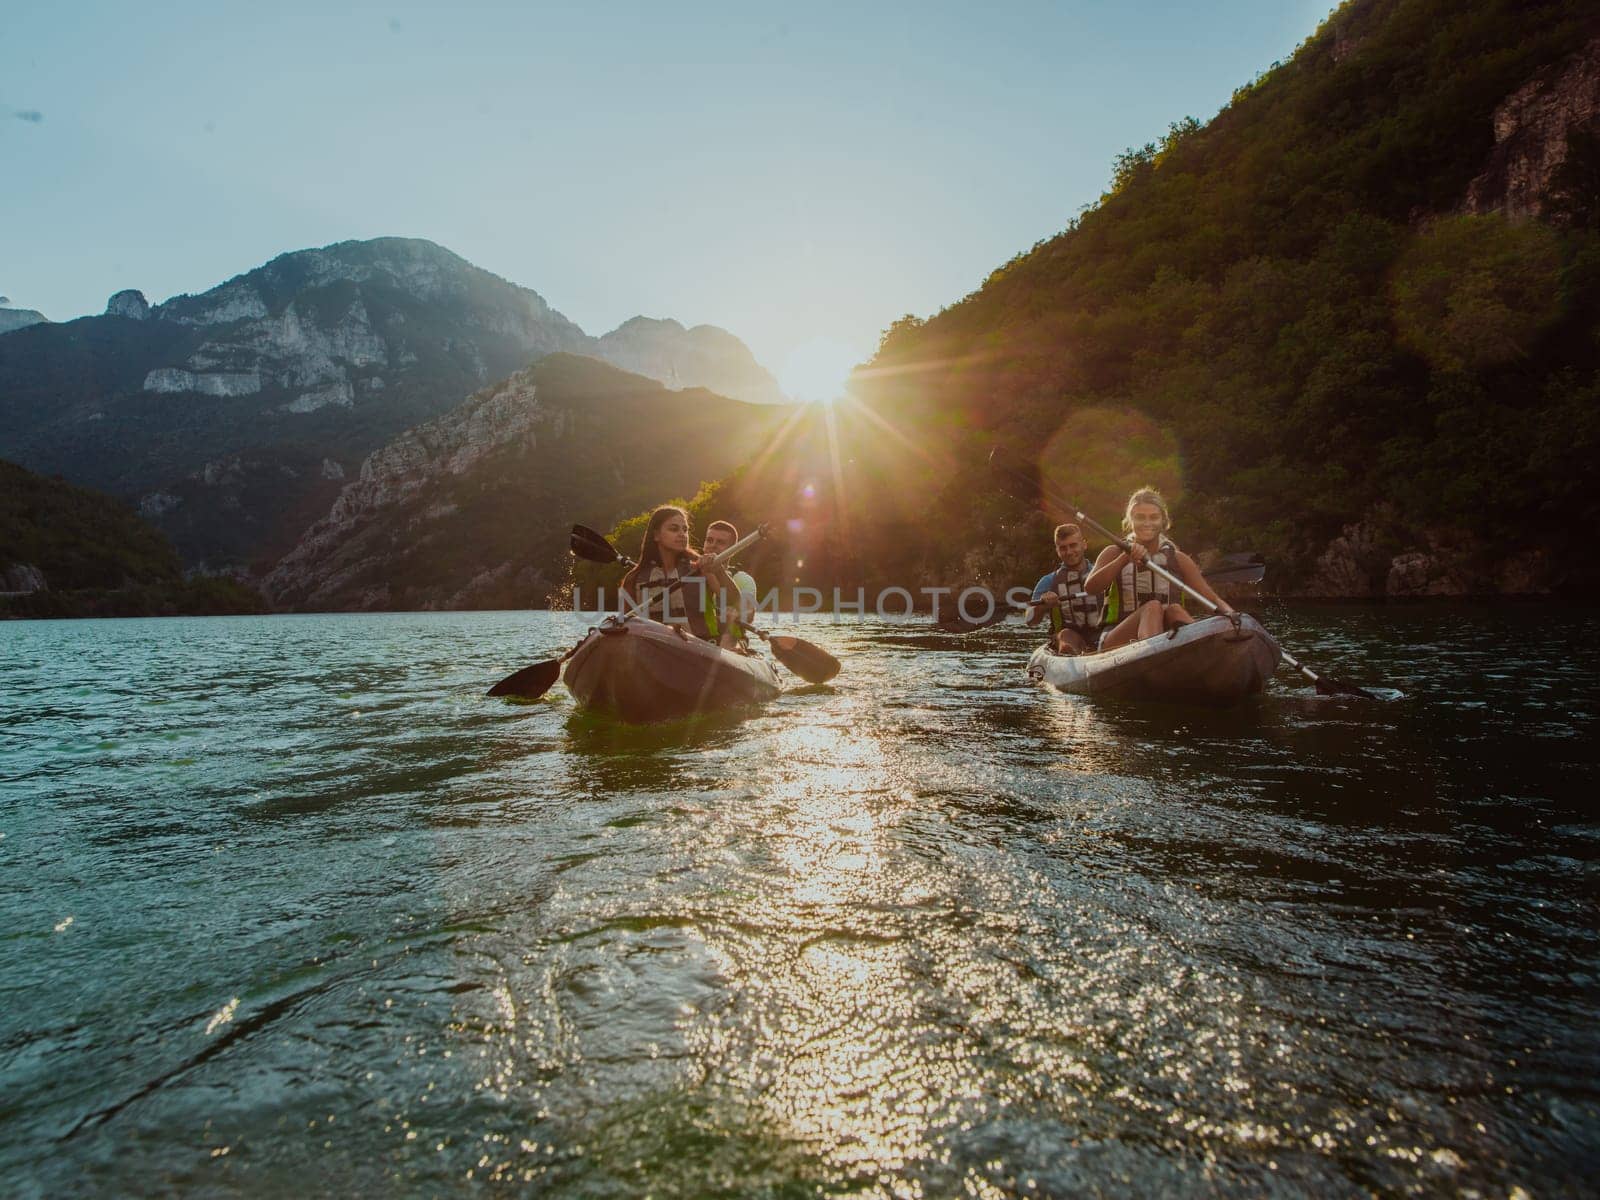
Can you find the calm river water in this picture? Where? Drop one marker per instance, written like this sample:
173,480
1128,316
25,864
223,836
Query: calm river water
290,908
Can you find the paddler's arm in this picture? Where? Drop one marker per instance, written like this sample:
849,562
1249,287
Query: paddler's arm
1105,569
715,570
1195,578
1038,608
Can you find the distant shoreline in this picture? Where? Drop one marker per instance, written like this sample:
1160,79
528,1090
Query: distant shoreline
844,618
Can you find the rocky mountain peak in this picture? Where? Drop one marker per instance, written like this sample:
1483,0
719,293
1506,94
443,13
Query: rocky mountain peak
410,268
130,303
642,326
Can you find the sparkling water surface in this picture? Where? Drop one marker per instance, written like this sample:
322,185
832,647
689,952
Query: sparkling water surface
289,907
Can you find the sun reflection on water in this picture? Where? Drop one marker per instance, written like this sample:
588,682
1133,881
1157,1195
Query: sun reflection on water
831,1015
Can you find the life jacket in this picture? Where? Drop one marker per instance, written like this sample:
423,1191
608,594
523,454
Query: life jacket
1082,609
684,605
660,604
1133,587
710,613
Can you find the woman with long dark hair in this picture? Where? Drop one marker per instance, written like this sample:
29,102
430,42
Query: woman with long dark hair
665,557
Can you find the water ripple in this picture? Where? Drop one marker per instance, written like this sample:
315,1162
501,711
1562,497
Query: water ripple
289,899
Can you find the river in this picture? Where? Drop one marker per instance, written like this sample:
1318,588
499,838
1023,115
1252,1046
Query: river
291,908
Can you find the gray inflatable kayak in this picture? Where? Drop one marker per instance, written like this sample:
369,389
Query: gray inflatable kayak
643,671
1209,662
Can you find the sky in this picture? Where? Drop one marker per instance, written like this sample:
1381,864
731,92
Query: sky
799,174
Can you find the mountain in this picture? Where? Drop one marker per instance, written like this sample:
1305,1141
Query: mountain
68,551
19,318
1353,322
704,356
233,416
472,509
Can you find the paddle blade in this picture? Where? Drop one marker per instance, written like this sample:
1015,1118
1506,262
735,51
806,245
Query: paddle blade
531,682
1236,569
591,546
812,663
1015,476
1327,685
1238,576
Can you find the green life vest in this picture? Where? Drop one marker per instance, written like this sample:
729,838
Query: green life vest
712,616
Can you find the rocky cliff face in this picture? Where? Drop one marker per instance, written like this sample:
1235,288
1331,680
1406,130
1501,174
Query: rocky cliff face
471,510
339,563
216,413
22,579
1531,131
704,356
1369,562
128,303
320,327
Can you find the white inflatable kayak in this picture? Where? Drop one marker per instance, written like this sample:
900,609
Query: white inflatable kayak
1209,662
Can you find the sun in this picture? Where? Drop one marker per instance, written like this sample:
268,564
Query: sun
816,369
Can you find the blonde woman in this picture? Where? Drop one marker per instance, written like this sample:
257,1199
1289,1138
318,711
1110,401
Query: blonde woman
1140,603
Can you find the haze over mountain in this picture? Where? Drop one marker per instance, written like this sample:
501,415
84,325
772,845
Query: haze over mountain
704,356
234,415
19,318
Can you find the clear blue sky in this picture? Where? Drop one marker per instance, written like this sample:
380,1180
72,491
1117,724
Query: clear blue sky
796,173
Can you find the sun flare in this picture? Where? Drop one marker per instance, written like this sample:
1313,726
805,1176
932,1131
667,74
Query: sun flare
817,369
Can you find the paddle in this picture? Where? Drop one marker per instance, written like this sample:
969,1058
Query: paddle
588,544
532,682
1022,482
806,659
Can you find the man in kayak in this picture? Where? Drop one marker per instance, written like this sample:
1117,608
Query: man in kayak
730,599
1074,613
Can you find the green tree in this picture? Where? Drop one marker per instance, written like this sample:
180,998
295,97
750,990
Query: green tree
1476,291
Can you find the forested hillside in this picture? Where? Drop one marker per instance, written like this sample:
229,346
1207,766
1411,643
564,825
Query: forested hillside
1350,322
66,551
